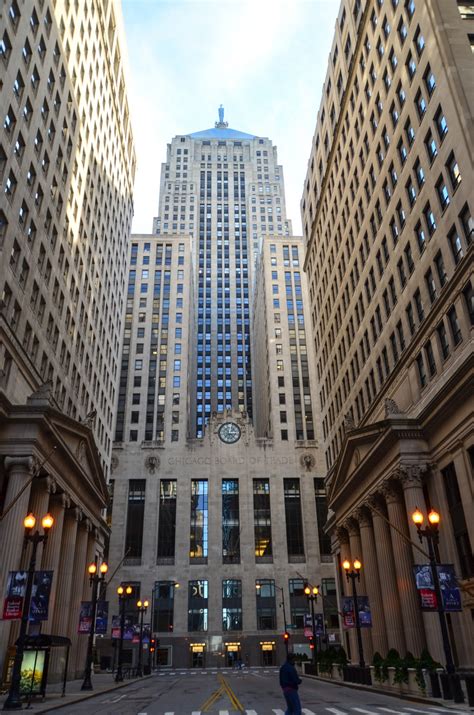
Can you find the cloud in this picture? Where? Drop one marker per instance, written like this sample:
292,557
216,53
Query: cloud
265,60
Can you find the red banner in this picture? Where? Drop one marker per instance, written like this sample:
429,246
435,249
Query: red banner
12,608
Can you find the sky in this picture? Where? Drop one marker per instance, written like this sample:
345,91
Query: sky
264,60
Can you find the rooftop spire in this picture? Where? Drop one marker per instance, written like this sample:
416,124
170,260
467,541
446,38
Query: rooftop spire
221,124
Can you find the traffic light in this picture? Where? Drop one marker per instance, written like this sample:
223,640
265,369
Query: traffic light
311,644
152,645
286,636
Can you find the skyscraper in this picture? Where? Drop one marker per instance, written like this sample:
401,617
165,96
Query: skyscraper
224,188
67,167
387,211
216,468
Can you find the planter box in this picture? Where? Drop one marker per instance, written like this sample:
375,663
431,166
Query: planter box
336,673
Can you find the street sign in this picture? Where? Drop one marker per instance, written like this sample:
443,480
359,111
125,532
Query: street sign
308,632
291,626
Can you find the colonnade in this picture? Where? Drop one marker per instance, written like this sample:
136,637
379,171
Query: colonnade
380,533
72,543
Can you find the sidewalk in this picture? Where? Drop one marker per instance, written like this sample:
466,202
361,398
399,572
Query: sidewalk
102,683
427,700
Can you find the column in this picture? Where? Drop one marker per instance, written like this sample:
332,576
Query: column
52,552
371,575
343,539
20,472
410,478
80,568
388,581
85,591
355,543
409,600
62,605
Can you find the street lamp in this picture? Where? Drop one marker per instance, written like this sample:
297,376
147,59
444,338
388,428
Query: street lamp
353,575
13,702
142,607
94,580
311,593
124,593
431,534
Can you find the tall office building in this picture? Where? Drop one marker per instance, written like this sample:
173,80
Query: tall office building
387,212
67,169
224,188
204,497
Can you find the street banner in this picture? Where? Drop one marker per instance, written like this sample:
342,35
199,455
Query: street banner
318,622
12,608
136,633
115,626
102,617
450,592
85,617
308,632
16,585
127,628
146,632
40,593
348,616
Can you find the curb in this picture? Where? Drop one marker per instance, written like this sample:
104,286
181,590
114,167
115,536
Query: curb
400,696
80,698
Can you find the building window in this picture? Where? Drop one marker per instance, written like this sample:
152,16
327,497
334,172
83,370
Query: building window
454,326
167,521
294,520
135,514
266,606
443,340
321,516
298,602
421,370
163,606
262,519
230,521
197,605
199,520
232,605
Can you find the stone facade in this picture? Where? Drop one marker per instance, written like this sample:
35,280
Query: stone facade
212,460
387,211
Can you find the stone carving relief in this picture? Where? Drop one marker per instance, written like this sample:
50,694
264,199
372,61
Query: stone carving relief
114,462
307,461
152,463
349,423
391,407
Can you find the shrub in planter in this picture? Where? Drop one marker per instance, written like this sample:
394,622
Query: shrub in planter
377,662
391,661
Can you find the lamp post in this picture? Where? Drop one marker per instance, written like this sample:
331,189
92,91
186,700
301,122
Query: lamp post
124,593
354,575
311,593
286,635
142,607
94,580
431,534
13,701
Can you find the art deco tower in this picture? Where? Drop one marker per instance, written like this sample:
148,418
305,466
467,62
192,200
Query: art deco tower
224,188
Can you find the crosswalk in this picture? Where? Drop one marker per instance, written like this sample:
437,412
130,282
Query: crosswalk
229,672
378,710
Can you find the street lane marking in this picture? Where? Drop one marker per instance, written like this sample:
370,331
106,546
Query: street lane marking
366,712
336,711
307,712
278,712
196,712
250,712
389,710
223,712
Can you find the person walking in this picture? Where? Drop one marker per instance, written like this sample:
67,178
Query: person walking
289,682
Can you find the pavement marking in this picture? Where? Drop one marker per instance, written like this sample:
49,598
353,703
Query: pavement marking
250,712
307,712
278,712
196,712
223,712
336,711
366,712
389,710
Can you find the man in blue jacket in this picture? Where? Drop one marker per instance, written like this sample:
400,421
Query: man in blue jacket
289,682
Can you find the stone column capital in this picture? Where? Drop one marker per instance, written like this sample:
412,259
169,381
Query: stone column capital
351,525
410,475
375,502
390,491
75,512
87,524
342,535
63,499
362,514
28,463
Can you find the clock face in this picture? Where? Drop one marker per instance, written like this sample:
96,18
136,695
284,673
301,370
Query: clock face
229,432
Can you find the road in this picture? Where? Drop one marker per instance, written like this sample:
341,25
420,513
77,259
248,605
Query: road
253,692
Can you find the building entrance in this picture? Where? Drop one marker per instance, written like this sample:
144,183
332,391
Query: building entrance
267,653
198,655
232,655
